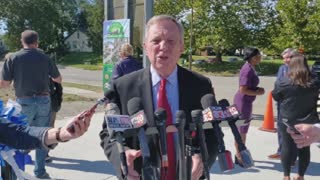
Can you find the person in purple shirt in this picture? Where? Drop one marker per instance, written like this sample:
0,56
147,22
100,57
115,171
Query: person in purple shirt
248,90
127,64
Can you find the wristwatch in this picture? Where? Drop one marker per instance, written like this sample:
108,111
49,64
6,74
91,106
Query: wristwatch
58,136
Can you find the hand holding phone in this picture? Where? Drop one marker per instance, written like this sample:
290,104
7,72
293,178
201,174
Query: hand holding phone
70,128
291,127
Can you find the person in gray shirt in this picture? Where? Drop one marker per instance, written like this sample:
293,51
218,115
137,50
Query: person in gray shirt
29,69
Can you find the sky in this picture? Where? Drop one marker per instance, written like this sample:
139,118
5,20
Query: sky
2,27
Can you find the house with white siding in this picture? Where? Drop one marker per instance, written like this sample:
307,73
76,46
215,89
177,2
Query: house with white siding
78,42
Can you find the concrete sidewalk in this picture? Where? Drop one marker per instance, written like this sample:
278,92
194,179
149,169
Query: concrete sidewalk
83,158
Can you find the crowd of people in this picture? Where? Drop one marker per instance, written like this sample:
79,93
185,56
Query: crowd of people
163,84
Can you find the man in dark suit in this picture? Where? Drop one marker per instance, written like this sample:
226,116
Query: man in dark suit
163,44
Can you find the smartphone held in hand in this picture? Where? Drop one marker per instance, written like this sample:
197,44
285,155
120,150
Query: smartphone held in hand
291,127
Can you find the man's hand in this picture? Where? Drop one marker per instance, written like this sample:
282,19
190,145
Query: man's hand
309,135
131,155
197,167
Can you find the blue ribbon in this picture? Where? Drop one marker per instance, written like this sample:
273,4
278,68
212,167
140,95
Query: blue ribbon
21,158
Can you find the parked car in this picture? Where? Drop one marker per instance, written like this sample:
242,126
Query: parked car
232,59
200,61
315,68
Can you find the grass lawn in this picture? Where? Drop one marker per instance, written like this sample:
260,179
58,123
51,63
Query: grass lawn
8,93
88,61
226,68
268,65
82,86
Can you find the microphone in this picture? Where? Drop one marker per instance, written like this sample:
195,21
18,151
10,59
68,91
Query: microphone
181,122
116,125
245,154
224,156
197,118
160,118
138,119
108,96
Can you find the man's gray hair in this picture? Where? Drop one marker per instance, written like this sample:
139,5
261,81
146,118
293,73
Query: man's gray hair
290,52
158,18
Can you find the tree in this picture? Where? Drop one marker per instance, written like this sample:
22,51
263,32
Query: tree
51,19
94,13
299,25
223,24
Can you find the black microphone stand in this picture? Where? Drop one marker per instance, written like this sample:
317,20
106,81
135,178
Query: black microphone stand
149,172
197,117
160,117
181,121
191,128
123,159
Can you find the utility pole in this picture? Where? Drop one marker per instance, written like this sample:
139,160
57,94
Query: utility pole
191,37
108,10
148,13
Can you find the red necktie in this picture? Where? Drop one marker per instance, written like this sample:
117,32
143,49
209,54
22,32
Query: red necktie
163,103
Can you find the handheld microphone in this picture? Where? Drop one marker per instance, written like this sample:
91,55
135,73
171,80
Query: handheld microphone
197,118
116,125
108,95
224,156
160,118
189,134
245,154
181,121
138,119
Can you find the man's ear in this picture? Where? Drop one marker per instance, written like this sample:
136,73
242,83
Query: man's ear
182,48
145,47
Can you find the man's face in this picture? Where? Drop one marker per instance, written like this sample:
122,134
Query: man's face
286,58
163,46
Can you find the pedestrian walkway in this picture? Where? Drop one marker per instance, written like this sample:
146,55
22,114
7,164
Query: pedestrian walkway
83,158
82,92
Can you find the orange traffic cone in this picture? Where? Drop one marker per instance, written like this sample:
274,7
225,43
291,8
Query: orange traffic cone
268,122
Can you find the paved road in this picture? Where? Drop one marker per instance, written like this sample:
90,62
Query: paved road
83,158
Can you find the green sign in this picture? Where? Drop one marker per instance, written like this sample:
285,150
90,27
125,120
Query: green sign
115,33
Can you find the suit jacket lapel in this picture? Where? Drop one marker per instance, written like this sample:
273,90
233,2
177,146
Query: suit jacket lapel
146,95
182,90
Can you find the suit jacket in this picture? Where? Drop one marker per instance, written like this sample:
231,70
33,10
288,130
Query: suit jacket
192,87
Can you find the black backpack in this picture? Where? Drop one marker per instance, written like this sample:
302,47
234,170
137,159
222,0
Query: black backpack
56,92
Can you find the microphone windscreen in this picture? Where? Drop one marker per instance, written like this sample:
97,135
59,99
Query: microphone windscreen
112,109
224,103
134,105
160,115
180,117
197,116
109,94
208,100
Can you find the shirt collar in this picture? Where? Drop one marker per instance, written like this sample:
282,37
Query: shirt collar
172,78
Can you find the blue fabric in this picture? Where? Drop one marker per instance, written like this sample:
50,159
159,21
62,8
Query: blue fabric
15,133
282,71
37,109
171,88
125,66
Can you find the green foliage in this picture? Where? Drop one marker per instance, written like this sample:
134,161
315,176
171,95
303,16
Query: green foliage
225,24
94,13
299,27
49,18
88,61
225,68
